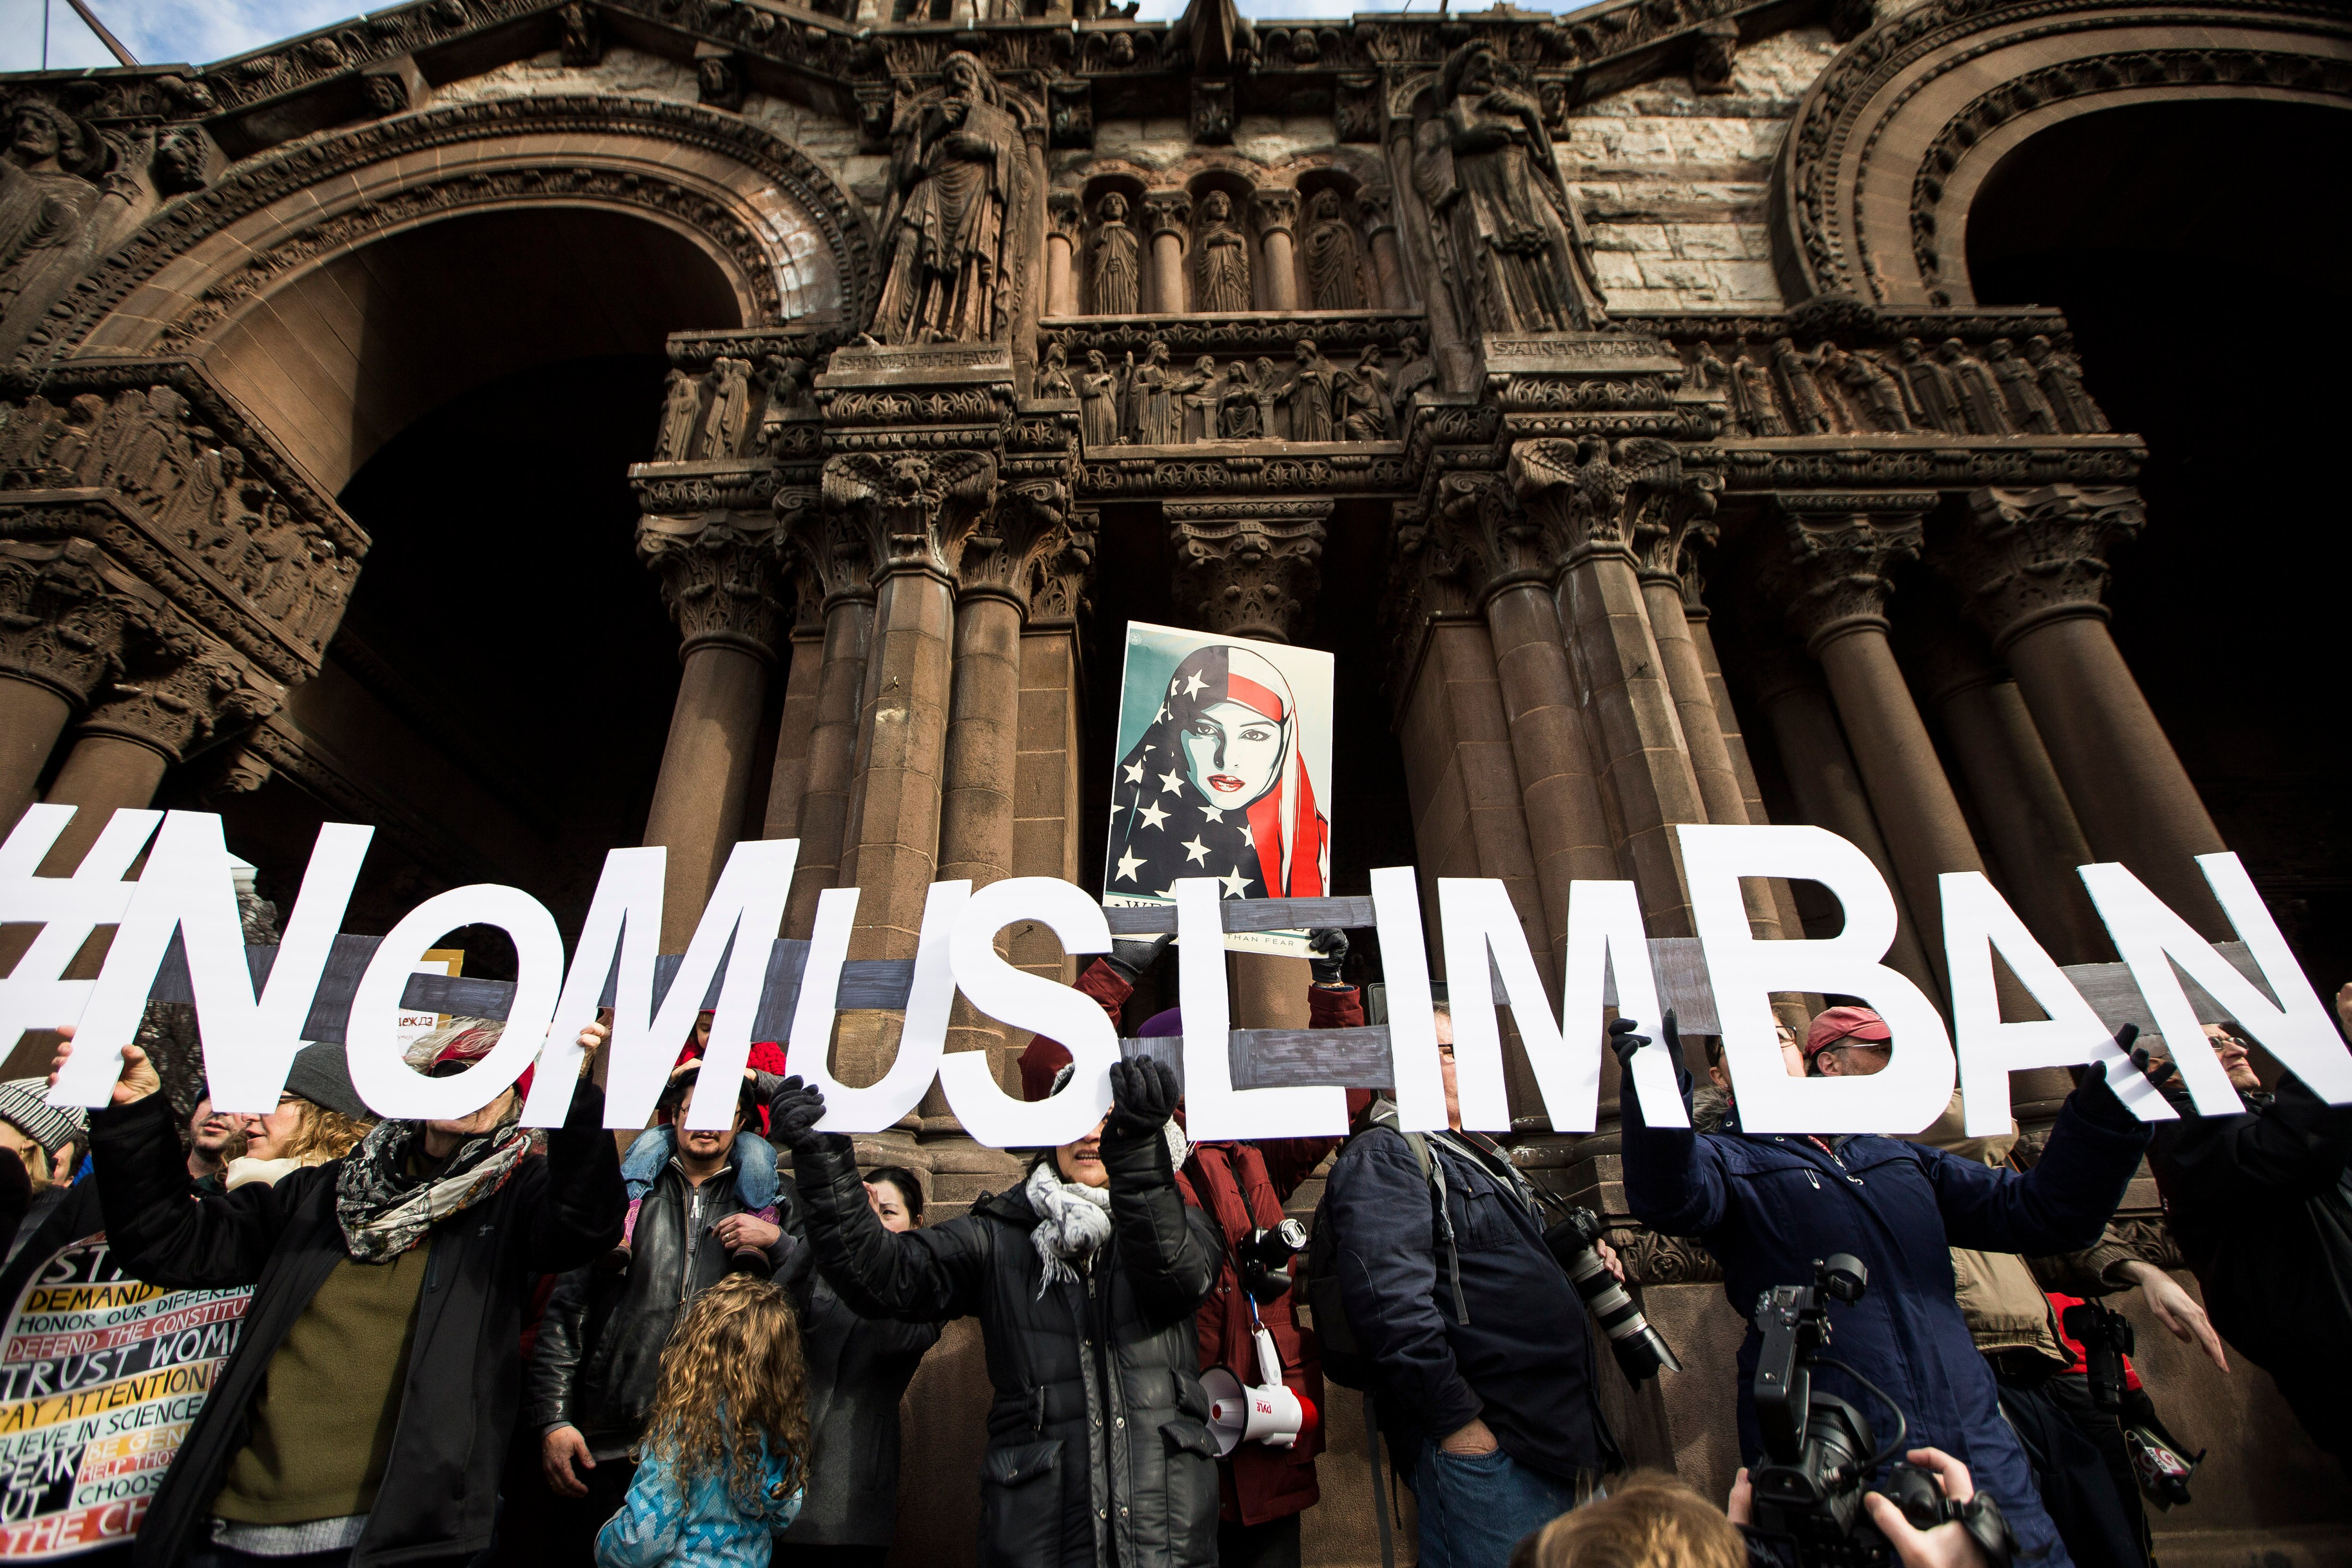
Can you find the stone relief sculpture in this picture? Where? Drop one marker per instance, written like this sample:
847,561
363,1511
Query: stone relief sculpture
1487,167
1974,389
1932,391
1158,416
2020,391
1098,400
1333,260
954,155
1053,375
1809,413
1220,275
1117,268
1867,384
681,411
1371,408
1751,396
1315,396
730,407
1156,403
48,202
2062,382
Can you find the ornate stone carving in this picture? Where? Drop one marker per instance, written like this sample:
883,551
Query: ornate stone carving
2029,555
2060,375
1221,267
1249,569
1063,218
1653,1259
1069,115
1212,112
1841,547
919,510
1479,539
181,161
833,543
720,577
957,165
582,45
1060,597
1115,267
49,199
1008,551
1166,212
1593,500
179,689
1356,109
1335,261
61,622
1485,166
718,82
387,91
1713,55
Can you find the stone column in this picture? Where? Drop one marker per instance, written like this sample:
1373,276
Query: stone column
1823,777
1592,510
1168,212
1698,621
2028,824
718,575
1378,205
1277,221
1252,569
1841,547
920,512
60,636
2031,567
1061,250
1482,540
839,550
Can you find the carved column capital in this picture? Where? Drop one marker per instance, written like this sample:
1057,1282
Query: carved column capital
1378,204
1062,215
1430,572
1276,208
178,689
2027,556
1480,537
1596,499
1011,544
1672,515
1066,572
61,622
1841,547
919,510
1168,212
720,576
1249,569
832,545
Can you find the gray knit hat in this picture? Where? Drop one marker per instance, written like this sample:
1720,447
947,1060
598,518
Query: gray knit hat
23,1105
322,1075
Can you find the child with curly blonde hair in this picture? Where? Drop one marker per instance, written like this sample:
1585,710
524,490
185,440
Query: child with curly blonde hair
724,1461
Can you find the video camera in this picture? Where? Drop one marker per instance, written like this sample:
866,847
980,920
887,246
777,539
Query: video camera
1819,1451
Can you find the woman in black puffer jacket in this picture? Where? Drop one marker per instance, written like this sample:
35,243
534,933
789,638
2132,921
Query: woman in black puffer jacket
1085,1281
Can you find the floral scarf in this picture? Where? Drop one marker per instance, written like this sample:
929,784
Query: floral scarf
384,1210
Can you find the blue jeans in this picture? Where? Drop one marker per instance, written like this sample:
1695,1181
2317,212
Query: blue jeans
1474,1507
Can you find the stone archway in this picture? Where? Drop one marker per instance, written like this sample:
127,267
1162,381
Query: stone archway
1871,187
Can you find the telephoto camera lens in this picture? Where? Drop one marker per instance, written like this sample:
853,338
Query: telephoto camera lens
1640,1349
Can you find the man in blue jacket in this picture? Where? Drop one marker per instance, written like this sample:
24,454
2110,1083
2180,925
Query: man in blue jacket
1482,1360
1768,1204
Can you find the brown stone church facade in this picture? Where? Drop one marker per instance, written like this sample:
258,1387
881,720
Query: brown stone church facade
532,426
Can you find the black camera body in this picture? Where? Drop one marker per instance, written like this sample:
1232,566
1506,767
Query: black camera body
1265,1257
1641,1351
1819,1450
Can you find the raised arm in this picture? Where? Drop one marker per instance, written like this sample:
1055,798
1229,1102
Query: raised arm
1170,1250
575,1216
2297,1149
1674,1177
2063,1204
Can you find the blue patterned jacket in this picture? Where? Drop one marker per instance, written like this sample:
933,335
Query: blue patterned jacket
702,1528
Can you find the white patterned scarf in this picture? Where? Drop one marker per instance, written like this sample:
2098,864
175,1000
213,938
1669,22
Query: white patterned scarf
1073,1222
384,1210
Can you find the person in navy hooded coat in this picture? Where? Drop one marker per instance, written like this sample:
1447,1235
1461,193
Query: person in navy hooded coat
1768,1204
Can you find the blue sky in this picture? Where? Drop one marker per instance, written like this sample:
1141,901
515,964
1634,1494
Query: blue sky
198,31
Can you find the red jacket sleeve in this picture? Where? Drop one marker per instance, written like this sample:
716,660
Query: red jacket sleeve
1045,1056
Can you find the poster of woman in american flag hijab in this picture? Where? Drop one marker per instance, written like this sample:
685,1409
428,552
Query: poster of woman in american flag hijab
1222,744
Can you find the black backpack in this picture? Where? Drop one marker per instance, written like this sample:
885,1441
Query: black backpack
1344,1360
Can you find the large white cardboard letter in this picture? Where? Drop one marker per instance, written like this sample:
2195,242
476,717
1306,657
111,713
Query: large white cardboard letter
35,996
1028,1001
1977,922
398,1093
1917,1084
1412,1020
1214,1111
187,886
920,1042
2296,1028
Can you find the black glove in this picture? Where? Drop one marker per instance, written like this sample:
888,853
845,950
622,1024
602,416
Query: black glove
794,1111
1142,1097
1327,949
1130,961
1624,1039
2094,1097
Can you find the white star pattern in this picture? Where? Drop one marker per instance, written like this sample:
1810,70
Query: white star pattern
1236,885
1213,813
1171,783
1152,816
1161,717
1196,851
1135,772
1128,863
1192,687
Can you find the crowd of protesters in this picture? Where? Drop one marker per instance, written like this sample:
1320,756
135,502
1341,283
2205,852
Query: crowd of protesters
471,1344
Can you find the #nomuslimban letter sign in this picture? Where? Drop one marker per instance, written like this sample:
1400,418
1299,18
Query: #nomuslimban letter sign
185,892
1225,762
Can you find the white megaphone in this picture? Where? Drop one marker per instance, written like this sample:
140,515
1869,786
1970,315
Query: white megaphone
1264,1412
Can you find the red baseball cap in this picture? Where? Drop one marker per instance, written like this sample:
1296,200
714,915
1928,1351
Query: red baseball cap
472,1046
1839,1024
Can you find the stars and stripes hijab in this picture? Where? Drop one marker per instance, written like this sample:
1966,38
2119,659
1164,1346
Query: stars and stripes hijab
1166,824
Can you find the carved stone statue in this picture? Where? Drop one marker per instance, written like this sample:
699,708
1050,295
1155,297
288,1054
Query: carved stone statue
1221,270
681,404
955,152
1708,373
1117,270
1808,412
47,200
1098,402
730,406
1974,389
1053,375
1239,400
1159,416
2020,390
1206,391
1372,410
1932,388
1335,280
1419,371
1875,393
1487,167
2062,382
1752,396
1314,390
